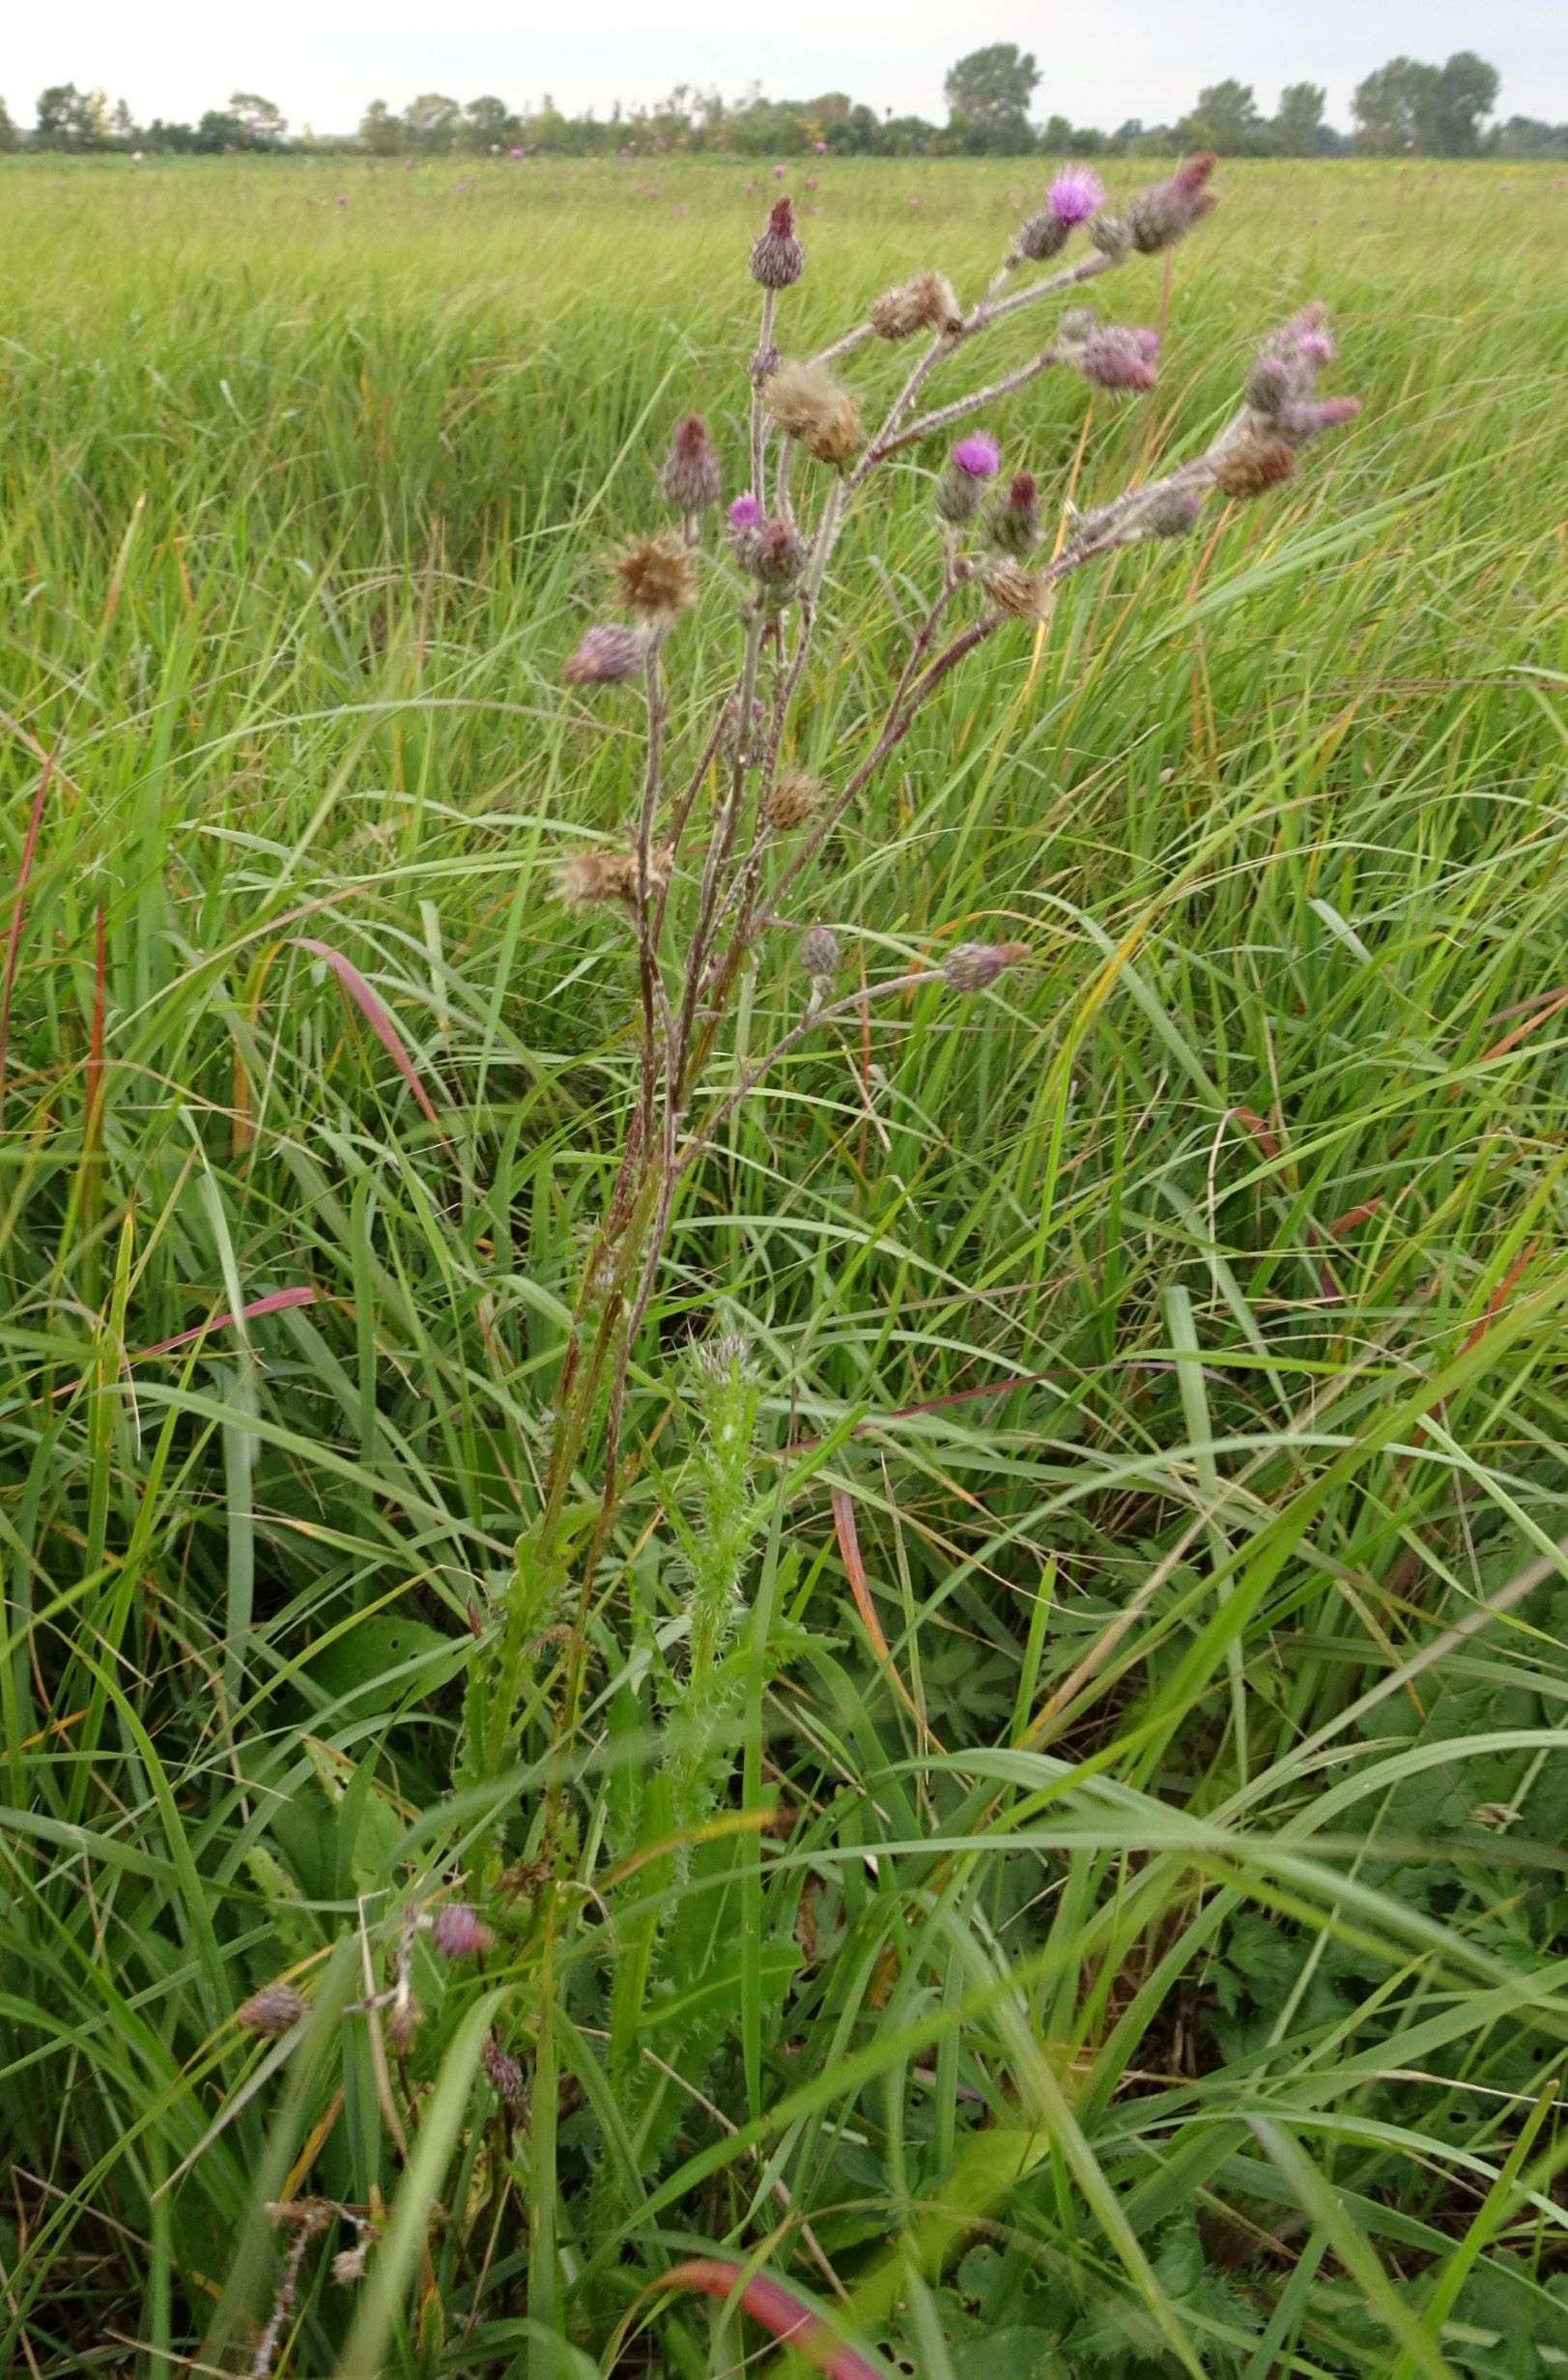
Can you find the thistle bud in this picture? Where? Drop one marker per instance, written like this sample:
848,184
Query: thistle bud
792,800
403,2023
457,1933
1110,235
1249,470
607,656
1268,384
1075,326
777,257
974,966
1041,237
819,956
1174,513
691,477
1300,422
276,2008
505,2078
1114,357
1012,523
777,556
1158,217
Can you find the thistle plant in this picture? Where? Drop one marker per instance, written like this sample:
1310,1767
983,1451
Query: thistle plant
695,888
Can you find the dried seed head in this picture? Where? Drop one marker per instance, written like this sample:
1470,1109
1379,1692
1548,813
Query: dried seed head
458,1932
654,577
1111,236
1158,217
1021,593
1172,514
607,656
403,2021
794,798
348,2264
276,2008
692,476
1012,523
587,879
778,257
1114,357
1249,470
807,404
819,954
505,2077
925,303
975,965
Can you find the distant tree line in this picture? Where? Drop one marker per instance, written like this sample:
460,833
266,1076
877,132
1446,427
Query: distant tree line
1406,108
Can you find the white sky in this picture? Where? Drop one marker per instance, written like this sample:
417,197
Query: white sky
1102,63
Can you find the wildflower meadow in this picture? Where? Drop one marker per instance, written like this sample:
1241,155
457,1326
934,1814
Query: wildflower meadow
784,1073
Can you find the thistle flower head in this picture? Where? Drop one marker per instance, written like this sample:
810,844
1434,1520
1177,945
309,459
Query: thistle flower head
777,557
925,303
1269,383
777,257
1158,217
978,456
692,476
974,966
505,2077
819,954
794,798
607,656
1303,420
457,1932
1113,356
1256,465
591,878
1074,196
654,579
744,513
807,403
1042,235
1012,523
1111,236
276,2008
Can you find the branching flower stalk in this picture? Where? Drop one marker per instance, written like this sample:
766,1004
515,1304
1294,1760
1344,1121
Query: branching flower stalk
697,921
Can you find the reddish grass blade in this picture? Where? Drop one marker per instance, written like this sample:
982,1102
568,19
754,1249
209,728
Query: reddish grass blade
777,2309
273,1304
376,1016
843,1525
13,937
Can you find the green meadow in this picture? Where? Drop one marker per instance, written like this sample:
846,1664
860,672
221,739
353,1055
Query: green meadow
1131,1934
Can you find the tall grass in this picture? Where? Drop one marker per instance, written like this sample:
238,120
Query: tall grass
1134,1937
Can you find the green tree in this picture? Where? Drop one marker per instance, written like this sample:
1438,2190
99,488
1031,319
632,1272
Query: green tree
988,94
1298,119
265,123
65,118
488,123
1466,90
432,120
380,132
10,138
1225,119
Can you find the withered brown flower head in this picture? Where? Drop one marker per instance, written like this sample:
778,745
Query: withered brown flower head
1021,593
973,966
276,2008
925,303
589,878
654,579
793,798
807,403
1262,462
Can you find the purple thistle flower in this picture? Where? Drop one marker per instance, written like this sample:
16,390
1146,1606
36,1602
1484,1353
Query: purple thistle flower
692,478
505,2077
1303,421
978,456
1074,194
744,513
607,656
778,258
1315,348
457,1933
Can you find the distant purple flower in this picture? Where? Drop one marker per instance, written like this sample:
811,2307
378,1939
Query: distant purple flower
514,152
822,150
744,513
342,202
1074,194
778,173
978,457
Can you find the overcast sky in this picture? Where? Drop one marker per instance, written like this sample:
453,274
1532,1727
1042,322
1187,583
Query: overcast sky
321,60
